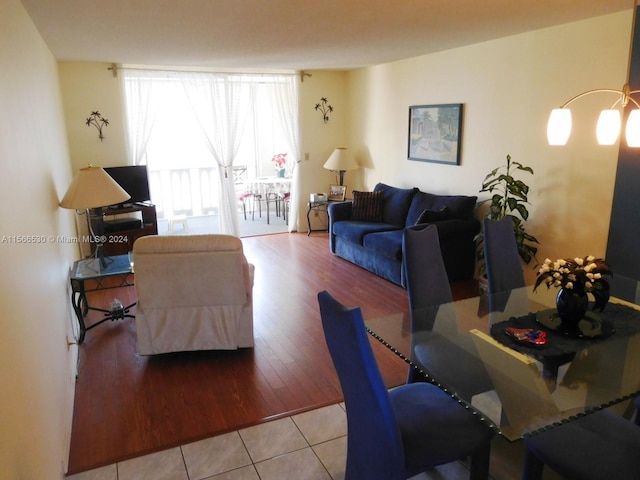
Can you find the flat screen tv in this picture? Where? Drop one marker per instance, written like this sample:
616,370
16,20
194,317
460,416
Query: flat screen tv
134,179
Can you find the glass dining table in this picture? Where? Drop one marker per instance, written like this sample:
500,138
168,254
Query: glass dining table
519,387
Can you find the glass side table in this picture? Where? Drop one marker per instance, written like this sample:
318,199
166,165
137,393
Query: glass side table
90,269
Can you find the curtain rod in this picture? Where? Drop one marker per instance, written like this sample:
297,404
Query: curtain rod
115,67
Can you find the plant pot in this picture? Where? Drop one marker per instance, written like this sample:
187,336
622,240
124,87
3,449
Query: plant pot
572,305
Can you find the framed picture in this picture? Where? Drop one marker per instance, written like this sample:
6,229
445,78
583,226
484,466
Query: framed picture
337,192
435,133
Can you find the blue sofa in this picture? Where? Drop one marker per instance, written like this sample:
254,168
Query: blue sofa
377,245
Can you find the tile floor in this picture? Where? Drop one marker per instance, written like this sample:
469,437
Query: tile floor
307,446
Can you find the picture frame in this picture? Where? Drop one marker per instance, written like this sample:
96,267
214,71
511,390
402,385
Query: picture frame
435,133
337,193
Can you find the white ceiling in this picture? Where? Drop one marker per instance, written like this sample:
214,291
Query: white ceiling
288,34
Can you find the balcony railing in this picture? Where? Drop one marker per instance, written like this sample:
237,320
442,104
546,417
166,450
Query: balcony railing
184,191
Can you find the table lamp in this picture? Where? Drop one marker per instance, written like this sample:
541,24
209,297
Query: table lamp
93,188
340,161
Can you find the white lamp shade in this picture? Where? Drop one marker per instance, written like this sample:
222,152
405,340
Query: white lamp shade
92,187
608,128
341,160
632,131
559,126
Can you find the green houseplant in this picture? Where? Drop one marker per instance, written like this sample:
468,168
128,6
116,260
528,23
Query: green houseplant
509,197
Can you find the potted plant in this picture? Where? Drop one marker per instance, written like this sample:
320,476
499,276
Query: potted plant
509,197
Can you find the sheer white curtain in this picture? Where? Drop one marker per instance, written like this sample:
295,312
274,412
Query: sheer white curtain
284,101
141,111
222,103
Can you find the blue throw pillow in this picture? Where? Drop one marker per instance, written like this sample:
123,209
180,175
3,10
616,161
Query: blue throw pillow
430,216
396,203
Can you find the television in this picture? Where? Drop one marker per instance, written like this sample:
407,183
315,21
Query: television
134,179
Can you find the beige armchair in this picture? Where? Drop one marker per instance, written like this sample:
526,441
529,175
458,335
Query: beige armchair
194,293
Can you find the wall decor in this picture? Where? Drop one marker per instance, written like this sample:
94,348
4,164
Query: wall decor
435,133
324,108
97,121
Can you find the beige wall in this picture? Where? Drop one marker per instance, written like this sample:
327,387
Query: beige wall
508,87
37,370
87,87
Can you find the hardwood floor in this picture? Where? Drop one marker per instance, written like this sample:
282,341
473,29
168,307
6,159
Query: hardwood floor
128,405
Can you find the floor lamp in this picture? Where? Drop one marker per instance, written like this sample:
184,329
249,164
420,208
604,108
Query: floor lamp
93,188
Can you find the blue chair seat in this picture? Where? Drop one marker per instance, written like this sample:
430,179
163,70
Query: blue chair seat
599,446
453,432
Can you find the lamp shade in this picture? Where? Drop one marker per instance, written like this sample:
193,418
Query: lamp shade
559,126
92,187
632,132
608,127
341,160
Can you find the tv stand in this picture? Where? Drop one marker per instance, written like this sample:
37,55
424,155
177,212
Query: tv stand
120,242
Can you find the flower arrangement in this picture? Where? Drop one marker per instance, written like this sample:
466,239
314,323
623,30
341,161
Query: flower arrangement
280,160
582,274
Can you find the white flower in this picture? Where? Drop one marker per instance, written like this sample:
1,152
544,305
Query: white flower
578,260
590,258
569,285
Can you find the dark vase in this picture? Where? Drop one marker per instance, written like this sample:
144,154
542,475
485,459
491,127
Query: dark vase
572,305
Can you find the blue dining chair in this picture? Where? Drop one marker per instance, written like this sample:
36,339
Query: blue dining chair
396,434
427,287
427,280
599,446
504,271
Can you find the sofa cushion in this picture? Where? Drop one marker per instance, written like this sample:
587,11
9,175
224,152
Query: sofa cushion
460,206
396,204
430,216
367,206
355,232
387,244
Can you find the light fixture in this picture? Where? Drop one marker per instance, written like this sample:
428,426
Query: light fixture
609,122
93,188
340,161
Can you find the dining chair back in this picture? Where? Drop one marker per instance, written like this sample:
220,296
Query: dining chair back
427,281
394,435
504,271
427,287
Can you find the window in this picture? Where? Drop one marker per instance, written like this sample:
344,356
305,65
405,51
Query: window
191,127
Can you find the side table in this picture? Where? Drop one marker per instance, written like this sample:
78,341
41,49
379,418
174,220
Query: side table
317,206
90,269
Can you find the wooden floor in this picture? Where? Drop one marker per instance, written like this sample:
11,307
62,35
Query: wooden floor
128,405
